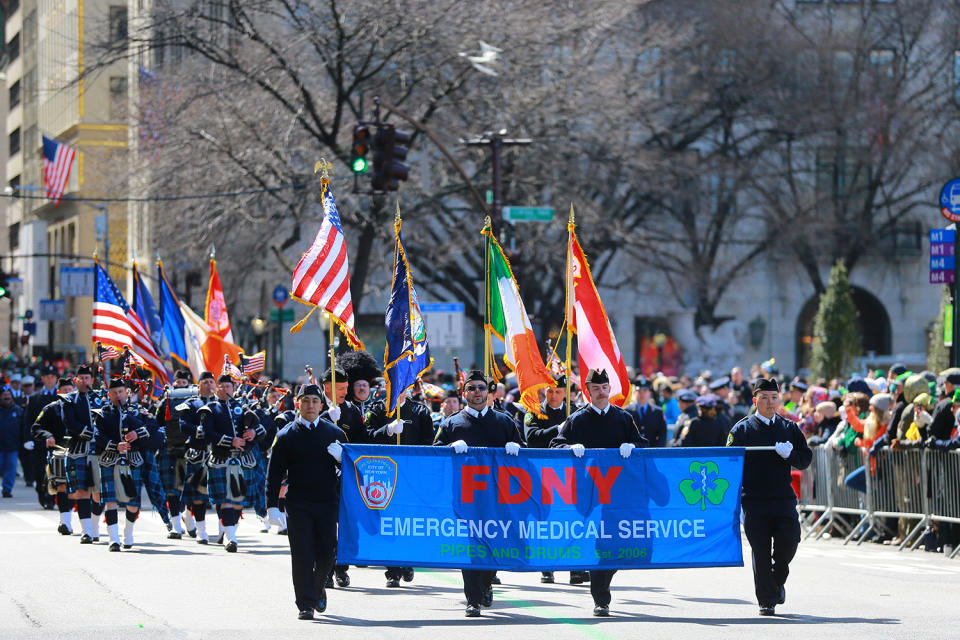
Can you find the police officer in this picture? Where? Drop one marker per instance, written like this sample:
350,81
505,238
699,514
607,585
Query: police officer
599,425
308,452
708,429
478,425
770,519
648,416
687,401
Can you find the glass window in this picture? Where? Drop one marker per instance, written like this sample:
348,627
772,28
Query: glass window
15,141
14,93
118,24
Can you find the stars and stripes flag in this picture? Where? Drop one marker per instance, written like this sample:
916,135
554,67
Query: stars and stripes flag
254,363
231,369
105,353
57,162
116,324
322,277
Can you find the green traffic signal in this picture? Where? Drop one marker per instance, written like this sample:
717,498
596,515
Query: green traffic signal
360,164
3,291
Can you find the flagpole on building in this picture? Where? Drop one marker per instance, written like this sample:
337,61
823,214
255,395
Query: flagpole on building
567,310
486,300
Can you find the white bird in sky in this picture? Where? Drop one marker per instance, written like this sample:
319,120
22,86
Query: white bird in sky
488,55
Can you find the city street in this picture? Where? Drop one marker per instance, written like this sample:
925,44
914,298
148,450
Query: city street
52,586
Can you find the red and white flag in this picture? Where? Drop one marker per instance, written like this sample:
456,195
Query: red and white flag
215,313
322,277
57,162
596,345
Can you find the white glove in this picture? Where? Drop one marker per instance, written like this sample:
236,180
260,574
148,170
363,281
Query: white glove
334,414
29,445
335,449
459,446
395,427
512,449
578,449
784,449
273,516
626,449
922,418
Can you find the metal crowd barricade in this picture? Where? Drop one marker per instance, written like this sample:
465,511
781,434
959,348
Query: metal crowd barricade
833,466
815,489
943,488
896,488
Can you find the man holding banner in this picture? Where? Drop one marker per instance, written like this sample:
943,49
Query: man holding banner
478,426
770,519
599,425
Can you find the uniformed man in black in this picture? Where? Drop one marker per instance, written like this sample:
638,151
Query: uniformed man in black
539,433
35,403
770,519
648,416
171,458
478,425
599,425
687,401
708,429
308,452
83,478
50,431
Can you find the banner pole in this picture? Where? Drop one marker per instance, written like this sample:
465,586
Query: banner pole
568,282
486,301
333,365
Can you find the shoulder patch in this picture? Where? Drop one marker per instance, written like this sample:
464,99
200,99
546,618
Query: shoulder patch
528,418
729,439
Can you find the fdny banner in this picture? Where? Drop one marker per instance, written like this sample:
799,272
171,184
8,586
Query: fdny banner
542,510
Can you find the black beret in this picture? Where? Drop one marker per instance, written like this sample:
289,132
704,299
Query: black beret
225,377
309,390
560,381
118,383
84,370
640,383
766,384
49,371
597,376
451,393
183,374
205,375
64,382
476,374
328,375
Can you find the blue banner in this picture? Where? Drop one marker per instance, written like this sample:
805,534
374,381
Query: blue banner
542,510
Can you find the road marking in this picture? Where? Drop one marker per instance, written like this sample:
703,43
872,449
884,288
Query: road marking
33,519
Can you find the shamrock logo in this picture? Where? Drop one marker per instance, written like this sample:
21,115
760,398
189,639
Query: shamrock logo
704,484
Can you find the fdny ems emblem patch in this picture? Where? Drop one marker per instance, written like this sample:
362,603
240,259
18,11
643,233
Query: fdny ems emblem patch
237,411
377,480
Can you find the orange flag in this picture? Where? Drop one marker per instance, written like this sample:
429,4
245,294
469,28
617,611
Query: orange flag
215,312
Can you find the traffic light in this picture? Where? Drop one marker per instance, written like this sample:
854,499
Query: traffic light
4,285
389,153
361,145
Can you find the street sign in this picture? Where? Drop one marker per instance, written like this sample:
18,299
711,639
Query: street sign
76,281
53,310
28,314
942,249
30,328
280,296
528,214
950,200
281,315
444,322
942,277
942,263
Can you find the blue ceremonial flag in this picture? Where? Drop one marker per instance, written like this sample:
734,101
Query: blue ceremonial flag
407,355
543,510
146,309
171,320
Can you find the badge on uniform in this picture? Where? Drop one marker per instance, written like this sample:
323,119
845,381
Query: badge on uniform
237,411
97,402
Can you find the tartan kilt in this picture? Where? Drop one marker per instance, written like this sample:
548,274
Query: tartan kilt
256,480
173,469
217,485
194,483
79,474
108,490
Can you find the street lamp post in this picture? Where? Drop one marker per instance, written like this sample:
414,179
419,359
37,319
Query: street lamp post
259,326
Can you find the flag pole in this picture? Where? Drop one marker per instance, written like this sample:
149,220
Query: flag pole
396,227
486,300
333,365
567,309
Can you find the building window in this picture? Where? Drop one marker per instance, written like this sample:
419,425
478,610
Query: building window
12,6
13,48
15,185
14,94
118,98
13,234
881,61
15,142
118,24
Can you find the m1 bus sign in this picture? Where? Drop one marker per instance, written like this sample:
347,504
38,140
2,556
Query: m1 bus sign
950,200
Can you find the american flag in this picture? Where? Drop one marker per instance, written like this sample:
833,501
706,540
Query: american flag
322,278
116,324
254,363
105,353
231,369
57,162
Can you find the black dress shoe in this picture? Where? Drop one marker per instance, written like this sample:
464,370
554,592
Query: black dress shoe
546,577
97,539
783,595
343,580
282,532
601,611
393,583
496,580
192,533
408,574
64,530
487,598
473,611
231,547
86,539
220,538
203,541
767,611
7,494
173,535
576,577
114,546
128,546
306,614
321,605
329,583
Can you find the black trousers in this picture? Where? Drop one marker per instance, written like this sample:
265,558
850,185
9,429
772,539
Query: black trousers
395,572
600,587
475,584
312,533
773,539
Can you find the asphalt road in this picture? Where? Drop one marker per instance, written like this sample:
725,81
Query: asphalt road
51,586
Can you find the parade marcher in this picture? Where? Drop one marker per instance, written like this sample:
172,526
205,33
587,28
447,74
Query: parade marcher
26,452
230,432
194,497
171,458
35,403
49,430
478,425
770,519
599,425
708,429
125,434
308,452
648,416
11,439
687,400
411,425
450,405
281,417
82,467
362,370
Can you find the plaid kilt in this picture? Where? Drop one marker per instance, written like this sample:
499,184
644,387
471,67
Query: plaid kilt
217,485
79,474
108,490
256,480
194,483
172,472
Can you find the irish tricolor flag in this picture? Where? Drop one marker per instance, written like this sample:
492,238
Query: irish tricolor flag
507,319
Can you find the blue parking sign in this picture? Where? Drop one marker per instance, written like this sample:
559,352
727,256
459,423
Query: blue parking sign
950,200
